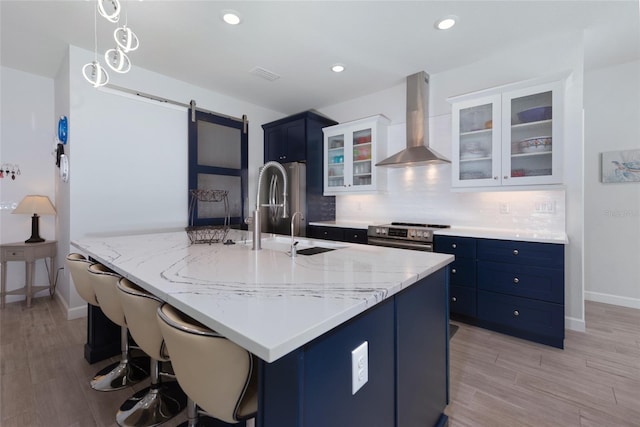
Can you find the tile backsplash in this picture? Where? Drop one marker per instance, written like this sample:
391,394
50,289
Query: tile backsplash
423,194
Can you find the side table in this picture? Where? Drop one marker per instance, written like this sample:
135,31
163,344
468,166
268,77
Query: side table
27,253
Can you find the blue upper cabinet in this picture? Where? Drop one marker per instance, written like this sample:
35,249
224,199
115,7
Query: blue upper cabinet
285,142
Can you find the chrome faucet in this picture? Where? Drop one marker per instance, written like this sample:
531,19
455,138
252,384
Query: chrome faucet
294,251
257,227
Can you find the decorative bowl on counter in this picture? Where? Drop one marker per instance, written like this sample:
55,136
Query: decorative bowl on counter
535,114
537,144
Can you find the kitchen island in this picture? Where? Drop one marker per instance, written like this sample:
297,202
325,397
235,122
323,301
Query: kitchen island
303,316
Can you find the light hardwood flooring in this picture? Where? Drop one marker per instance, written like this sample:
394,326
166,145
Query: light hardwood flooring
496,380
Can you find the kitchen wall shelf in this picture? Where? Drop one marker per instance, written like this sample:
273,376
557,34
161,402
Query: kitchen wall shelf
489,127
351,151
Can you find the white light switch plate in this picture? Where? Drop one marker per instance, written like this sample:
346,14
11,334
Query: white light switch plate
359,367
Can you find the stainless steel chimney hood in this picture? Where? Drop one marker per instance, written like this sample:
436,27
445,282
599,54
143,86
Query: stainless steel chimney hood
417,152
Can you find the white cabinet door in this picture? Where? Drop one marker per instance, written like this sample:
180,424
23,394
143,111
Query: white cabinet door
532,136
351,151
508,138
476,142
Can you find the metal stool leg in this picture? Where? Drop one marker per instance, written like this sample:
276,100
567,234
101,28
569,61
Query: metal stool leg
153,405
120,374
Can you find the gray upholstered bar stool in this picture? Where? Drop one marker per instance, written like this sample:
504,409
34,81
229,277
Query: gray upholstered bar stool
162,400
217,374
120,374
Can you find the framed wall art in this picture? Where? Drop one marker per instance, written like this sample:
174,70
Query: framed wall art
621,166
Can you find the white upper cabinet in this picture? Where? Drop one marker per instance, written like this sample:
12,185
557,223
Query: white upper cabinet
508,138
351,151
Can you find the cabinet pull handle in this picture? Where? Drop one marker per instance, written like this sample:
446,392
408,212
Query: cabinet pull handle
454,299
453,245
515,252
516,280
506,177
495,177
453,271
516,313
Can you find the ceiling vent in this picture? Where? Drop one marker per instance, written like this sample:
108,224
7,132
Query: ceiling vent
264,73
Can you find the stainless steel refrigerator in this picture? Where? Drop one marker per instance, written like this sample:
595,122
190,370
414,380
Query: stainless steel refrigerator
271,194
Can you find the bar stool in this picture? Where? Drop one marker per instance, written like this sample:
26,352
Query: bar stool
119,374
163,399
217,374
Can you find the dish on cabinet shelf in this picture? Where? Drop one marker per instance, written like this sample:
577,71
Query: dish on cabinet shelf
536,144
535,114
473,155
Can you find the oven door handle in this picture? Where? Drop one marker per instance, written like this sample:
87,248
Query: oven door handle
402,244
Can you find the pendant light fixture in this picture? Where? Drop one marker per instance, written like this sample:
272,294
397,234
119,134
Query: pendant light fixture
93,72
109,9
117,60
126,41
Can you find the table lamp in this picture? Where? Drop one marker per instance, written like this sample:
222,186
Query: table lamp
35,205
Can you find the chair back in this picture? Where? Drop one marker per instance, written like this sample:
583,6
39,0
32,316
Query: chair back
219,375
105,284
79,269
140,309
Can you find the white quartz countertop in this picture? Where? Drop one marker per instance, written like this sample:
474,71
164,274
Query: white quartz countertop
502,234
265,301
344,224
540,236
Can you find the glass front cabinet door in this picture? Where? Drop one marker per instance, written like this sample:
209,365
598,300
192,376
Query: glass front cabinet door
510,138
351,151
476,142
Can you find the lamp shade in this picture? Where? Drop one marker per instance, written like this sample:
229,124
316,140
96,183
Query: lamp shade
40,205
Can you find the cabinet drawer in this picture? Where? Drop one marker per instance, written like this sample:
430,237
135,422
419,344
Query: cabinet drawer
521,314
327,233
463,272
462,300
530,253
13,255
355,235
464,247
545,284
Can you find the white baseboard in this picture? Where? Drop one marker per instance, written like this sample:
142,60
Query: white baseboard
612,299
77,312
574,324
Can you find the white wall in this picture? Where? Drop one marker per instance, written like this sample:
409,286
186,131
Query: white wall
423,193
26,139
612,211
128,155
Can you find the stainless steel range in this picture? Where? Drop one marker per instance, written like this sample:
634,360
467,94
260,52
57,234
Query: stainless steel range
404,235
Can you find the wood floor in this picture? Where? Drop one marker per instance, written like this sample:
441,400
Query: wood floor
496,380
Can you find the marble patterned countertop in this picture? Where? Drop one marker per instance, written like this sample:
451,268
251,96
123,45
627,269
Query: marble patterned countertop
265,301
540,236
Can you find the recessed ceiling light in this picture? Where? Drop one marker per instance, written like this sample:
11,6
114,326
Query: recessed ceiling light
231,17
337,68
446,22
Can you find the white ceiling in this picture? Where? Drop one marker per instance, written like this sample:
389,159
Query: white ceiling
380,42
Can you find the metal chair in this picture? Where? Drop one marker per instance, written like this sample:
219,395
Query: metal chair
119,374
217,374
162,400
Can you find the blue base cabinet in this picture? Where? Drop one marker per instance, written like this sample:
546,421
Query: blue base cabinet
407,336
462,273
512,287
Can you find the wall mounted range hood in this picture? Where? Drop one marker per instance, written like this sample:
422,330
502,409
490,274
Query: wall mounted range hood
417,152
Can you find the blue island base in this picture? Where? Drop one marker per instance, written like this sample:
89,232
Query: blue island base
407,336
